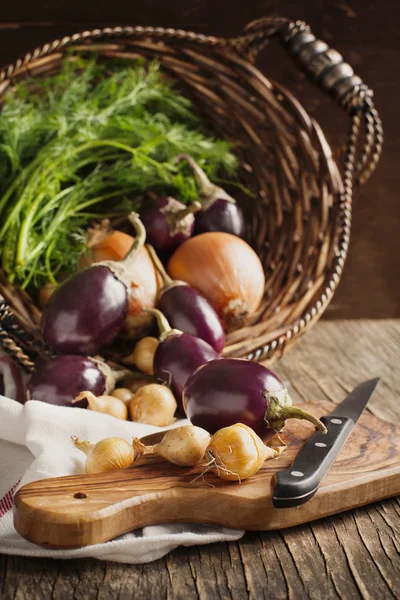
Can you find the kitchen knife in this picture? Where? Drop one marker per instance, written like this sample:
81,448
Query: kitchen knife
298,484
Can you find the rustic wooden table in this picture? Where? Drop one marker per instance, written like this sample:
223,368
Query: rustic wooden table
352,555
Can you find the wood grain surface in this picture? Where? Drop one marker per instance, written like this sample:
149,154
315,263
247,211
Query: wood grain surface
347,556
81,510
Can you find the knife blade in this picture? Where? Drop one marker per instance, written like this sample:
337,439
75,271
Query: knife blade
298,484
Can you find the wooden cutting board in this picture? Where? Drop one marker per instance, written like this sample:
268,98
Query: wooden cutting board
80,510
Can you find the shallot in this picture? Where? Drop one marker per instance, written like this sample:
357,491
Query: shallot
183,446
153,404
109,405
143,355
123,393
108,454
236,452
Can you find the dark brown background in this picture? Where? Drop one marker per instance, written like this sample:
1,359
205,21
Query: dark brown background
367,35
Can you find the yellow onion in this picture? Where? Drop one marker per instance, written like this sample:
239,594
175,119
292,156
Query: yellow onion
226,270
108,454
109,405
153,404
124,394
236,452
143,355
183,446
105,244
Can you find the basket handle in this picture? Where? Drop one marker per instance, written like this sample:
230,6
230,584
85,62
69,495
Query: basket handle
22,347
328,70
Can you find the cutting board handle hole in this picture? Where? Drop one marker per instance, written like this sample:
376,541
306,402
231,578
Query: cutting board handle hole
80,495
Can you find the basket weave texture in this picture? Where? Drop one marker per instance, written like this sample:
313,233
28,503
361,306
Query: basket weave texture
300,222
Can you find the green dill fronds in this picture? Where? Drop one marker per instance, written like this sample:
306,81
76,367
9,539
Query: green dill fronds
84,144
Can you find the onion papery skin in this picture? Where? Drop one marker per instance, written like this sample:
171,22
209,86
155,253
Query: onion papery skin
142,294
226,270
88,310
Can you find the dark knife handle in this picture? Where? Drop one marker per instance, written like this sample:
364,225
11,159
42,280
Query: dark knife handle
299,483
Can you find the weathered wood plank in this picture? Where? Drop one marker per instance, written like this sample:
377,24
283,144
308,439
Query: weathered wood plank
346,557
349,556
337,355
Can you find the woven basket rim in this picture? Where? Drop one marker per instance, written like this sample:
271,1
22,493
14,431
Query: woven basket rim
233,48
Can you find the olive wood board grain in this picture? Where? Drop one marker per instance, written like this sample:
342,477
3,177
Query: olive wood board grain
80,510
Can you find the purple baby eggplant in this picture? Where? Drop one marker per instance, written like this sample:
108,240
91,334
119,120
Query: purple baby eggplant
231,390
178,355
221,215
88,310
188,310
219,211
168,223
59,380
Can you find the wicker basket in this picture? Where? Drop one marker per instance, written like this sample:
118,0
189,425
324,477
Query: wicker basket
300,224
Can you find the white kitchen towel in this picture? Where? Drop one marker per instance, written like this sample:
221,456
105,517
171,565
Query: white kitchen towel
35,443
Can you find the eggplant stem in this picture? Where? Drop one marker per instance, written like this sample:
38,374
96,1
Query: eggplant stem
177,221
167,281
164,327
140,238
188,210
279,408
121,268
205,185
293,412
208,190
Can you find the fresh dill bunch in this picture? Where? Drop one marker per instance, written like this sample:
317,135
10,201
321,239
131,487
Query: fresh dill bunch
83,144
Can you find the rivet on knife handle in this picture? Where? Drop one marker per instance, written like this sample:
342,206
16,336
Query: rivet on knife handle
298,484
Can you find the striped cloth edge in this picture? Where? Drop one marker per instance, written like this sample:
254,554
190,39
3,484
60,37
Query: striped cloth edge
6,501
